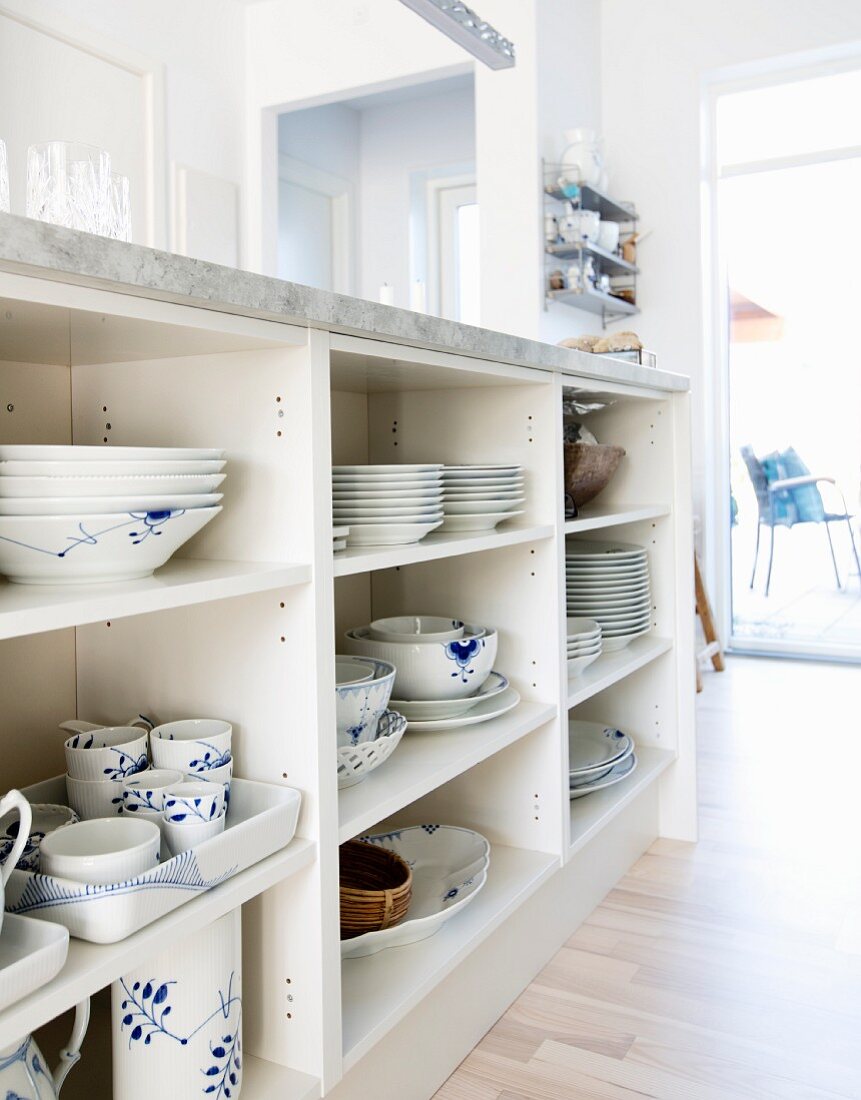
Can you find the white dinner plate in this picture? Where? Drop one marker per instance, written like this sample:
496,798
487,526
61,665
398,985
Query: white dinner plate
369,485
386,494
483,485
108,468
483,712
593,745
583,548
340,532
477,507
484,522
615,775
501,470
18,487
389,534
71,506
424,518
613,644
603,588
396,468
588,777
36,452
426,508
431,710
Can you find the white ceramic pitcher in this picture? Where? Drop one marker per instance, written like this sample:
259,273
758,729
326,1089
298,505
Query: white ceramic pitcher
14,800
23,1072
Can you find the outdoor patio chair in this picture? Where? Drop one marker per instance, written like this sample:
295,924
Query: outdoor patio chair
787,494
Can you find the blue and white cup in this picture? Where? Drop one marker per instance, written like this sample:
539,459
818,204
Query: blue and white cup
193,746
192,803
145,791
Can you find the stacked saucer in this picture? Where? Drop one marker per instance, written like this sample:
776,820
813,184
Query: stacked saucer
598,756
584,644
477,498
387,505
609,582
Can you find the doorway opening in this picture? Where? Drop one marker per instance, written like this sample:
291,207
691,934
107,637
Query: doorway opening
788,173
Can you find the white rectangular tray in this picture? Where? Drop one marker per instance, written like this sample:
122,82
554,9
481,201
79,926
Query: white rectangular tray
31,954
262,820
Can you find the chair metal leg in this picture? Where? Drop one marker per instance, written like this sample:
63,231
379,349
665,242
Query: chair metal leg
755,553
854,547
770,562
833,555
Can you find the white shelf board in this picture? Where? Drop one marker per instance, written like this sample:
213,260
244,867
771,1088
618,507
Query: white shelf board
363,559
424,761
262,1080
35,608
91,966
379,990
612,667
592,812
594,516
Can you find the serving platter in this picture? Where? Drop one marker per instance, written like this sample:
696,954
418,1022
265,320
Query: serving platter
431,710
32,952
615,775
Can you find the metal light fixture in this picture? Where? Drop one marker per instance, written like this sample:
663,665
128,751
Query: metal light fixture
469,30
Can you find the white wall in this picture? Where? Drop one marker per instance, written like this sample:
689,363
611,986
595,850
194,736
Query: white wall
655,58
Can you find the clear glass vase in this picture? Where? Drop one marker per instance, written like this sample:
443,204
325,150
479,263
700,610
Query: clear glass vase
68,184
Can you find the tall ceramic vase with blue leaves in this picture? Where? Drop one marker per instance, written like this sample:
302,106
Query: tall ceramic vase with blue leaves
177,1021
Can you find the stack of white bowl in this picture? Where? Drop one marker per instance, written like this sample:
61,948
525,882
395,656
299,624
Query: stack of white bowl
387,505
478,497
609,582
584,645
599,756
73,514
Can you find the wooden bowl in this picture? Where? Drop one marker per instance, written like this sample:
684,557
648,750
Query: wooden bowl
376,888
589,468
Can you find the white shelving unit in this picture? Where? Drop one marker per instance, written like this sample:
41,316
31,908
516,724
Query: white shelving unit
246,624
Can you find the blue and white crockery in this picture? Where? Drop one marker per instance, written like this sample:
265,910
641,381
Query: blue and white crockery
358,706
103,851
432,709
183,836
92,798
24,1073
45,819
192,745
14,800
357,761
145,792
187,802
110,752
416,628
350,671
222,775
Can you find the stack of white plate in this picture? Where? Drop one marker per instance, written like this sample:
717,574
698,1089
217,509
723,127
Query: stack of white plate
77,514
477,498
609,582
598,756
339,538
584,645
387,505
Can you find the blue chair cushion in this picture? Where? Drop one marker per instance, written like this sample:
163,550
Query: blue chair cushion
784,511
806,498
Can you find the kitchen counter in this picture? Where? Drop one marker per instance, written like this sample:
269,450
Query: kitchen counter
35,248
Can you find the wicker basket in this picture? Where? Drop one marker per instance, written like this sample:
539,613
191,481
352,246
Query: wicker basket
376,888
589,468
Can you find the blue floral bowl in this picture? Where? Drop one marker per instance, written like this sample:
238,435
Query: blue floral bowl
358,706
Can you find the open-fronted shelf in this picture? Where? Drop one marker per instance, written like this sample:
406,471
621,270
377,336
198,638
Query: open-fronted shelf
612,263
379,990
592,812
593,300
262,1080
35,608
91,966
610,668
599,514
424,761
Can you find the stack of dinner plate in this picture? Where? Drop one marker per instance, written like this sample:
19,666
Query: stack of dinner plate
477,498
70,514
387,505
599,756
609,582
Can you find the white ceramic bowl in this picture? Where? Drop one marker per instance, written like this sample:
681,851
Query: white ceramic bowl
91,798
358,706
93,506
182,837
432,670
578,665
114,752
357,761
101,852
350,671
192,745
109,486
222,775
190,802
144,793
83,549
46,818
389,534
416,628
579,629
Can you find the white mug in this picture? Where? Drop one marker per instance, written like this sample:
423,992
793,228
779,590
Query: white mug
14,800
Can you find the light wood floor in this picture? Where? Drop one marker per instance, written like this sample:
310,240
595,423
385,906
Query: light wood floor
728,969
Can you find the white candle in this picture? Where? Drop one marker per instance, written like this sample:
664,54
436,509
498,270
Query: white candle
387,295
418,297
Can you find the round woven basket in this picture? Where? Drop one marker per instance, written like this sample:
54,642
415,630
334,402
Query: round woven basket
376,887
589,468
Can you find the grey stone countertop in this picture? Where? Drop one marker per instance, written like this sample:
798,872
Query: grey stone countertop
47,251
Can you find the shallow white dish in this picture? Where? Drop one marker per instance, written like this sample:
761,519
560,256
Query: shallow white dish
593,745
108,468
577,665
577,627
485,522
486,485
482,712
340,532
617,551
387,521
37,452
392,468
429,710
586,777
32,952
480,469
481,507
391,534
348,511
386,495
449,868
97,486
262,820
70,506
611,603
85,549
355,762
351,482
618,642
615,775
